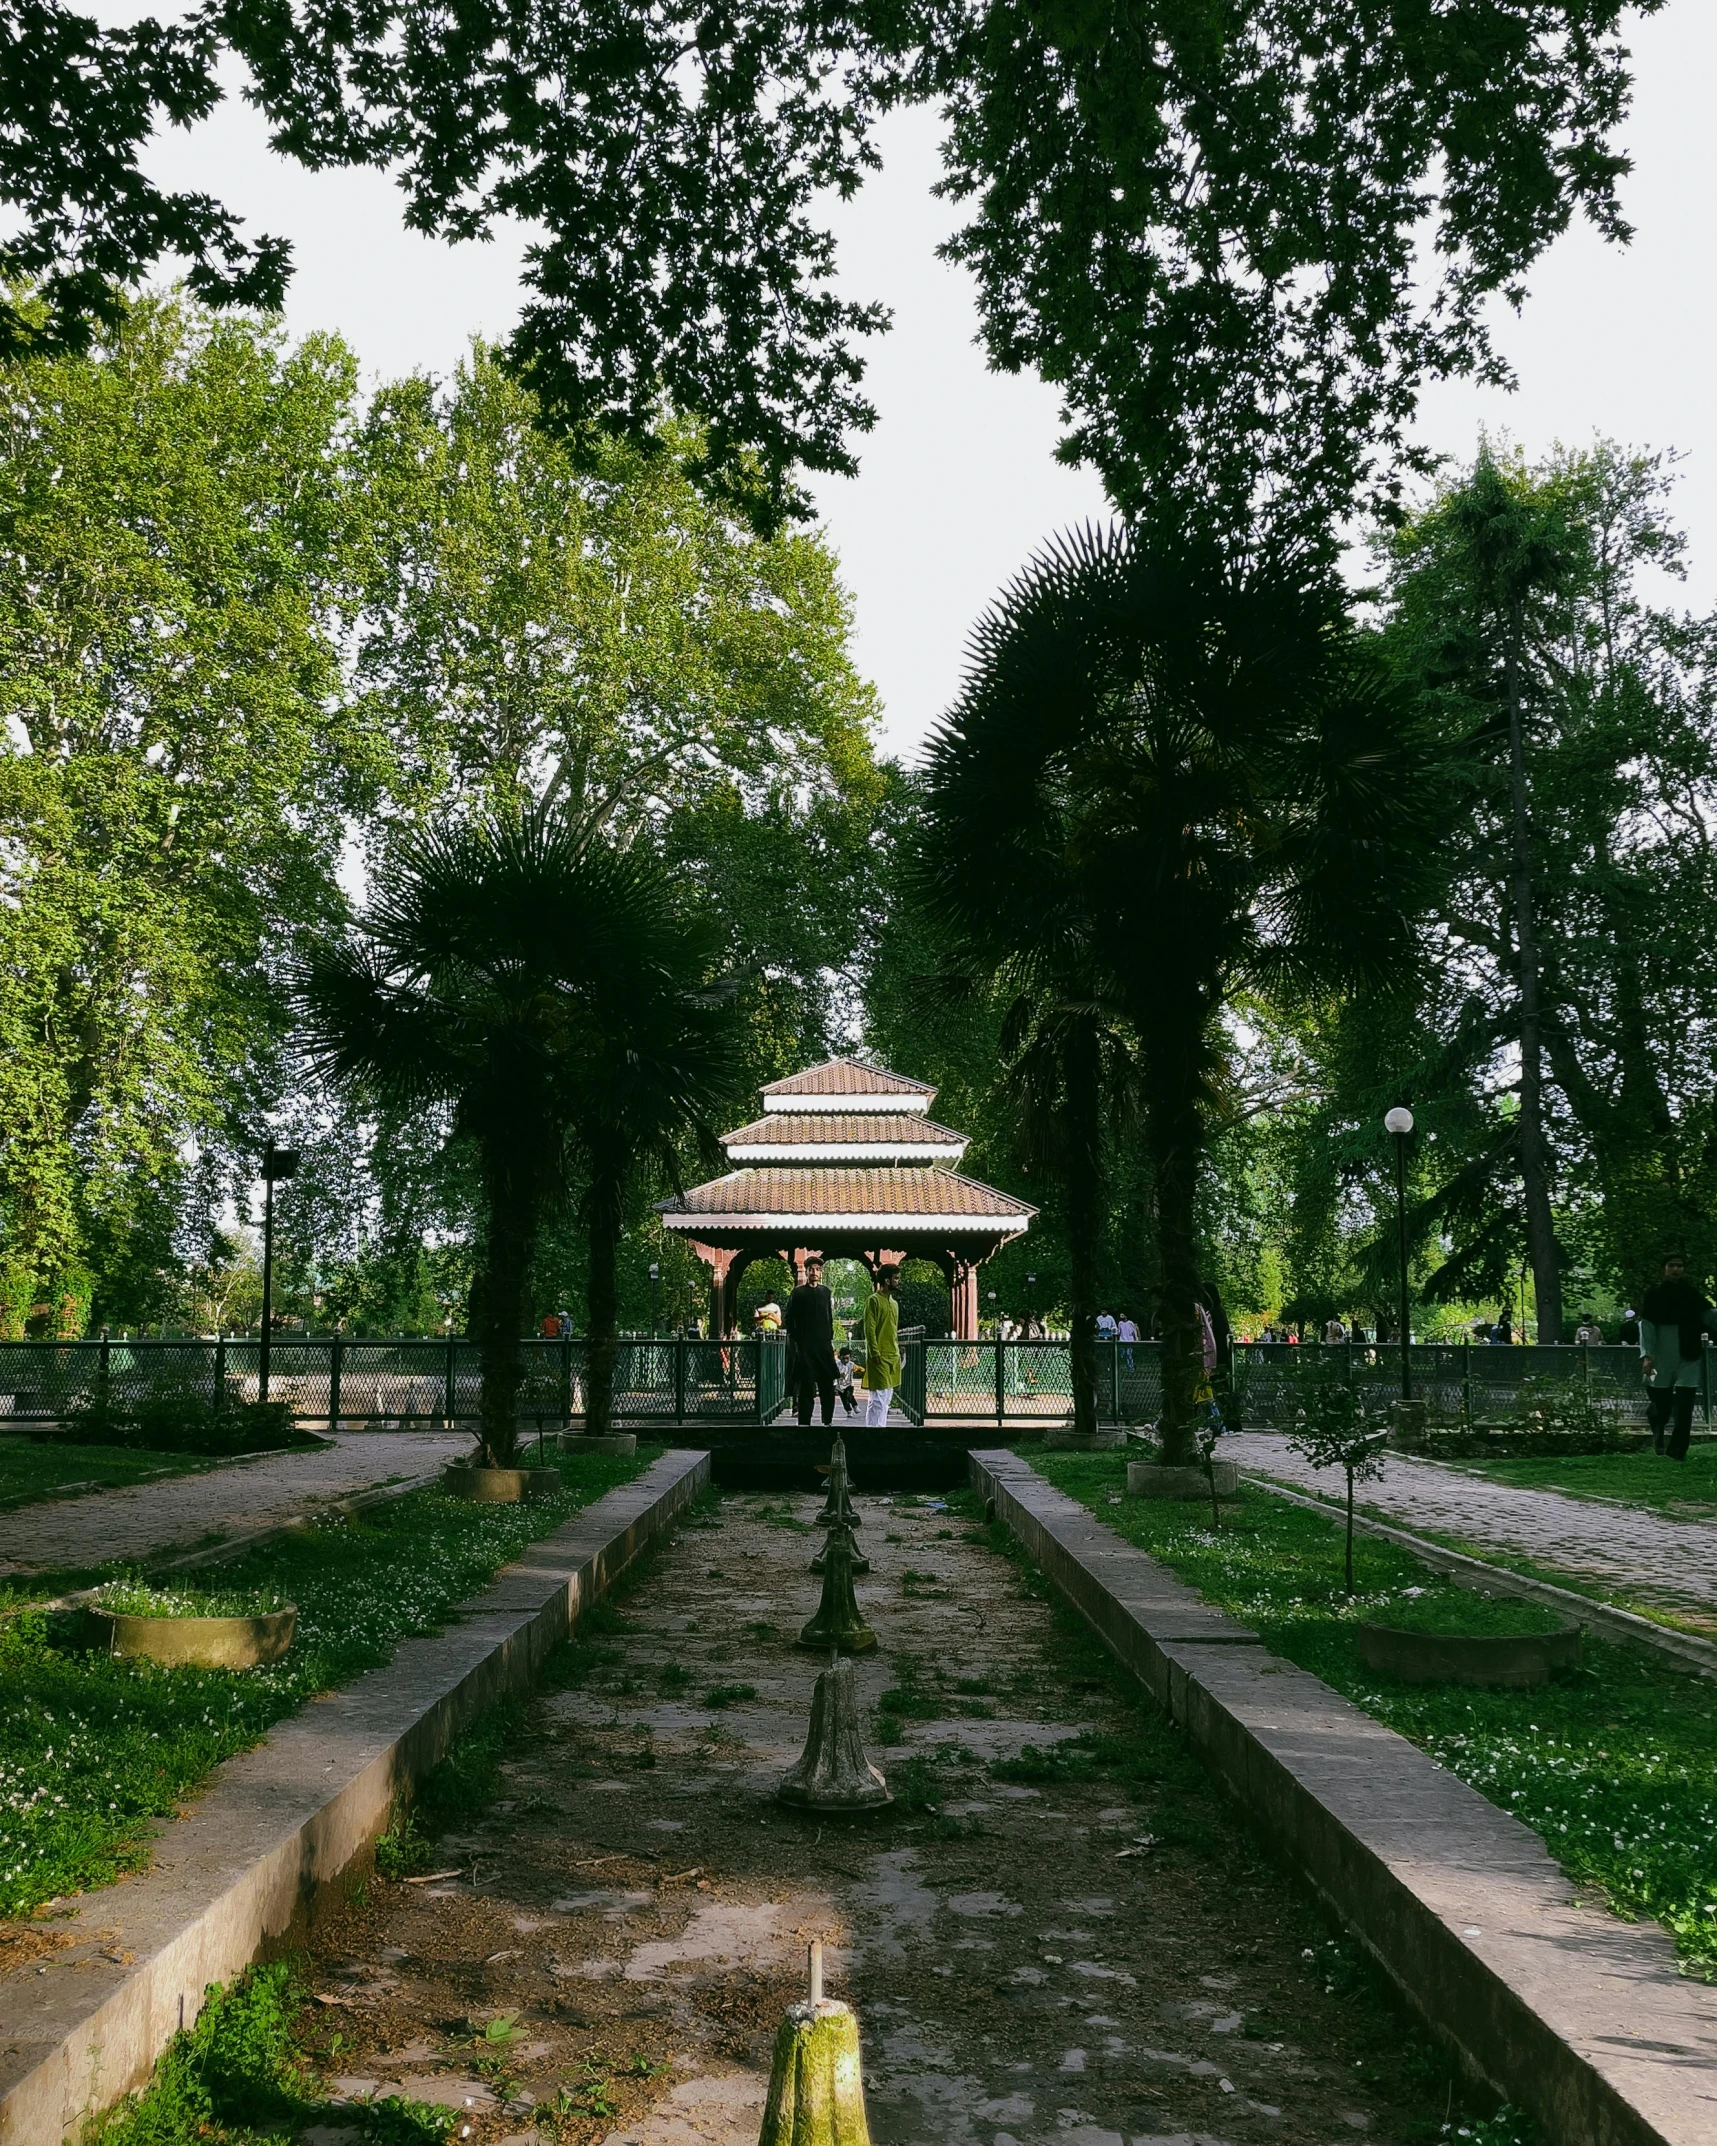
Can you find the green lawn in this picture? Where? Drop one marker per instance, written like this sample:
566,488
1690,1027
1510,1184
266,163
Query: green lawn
1685,1489
91,1749
32,1469
1614,1765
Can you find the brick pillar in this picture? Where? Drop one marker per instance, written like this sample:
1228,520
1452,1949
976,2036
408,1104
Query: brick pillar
720,1265
965,1300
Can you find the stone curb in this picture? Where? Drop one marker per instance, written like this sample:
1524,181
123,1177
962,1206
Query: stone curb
1626,1625
1582,2020
284,1822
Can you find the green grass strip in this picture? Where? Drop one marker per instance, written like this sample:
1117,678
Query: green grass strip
238,2078
1614,1764
92,1749
1646,1479
34,1469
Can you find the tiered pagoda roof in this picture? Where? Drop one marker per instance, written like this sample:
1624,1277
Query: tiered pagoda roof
846,1150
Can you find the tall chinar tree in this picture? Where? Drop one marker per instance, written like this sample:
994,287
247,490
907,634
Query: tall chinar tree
554,996
1174,774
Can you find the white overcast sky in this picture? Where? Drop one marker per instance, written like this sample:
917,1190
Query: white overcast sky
957,484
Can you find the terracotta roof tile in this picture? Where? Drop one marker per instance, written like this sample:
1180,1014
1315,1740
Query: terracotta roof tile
816,1128
846,1076
833,1191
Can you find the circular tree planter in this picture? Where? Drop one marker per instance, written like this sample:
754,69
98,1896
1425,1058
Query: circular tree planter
500,1486
1066,1441
1502,1662
198,1642
623,1443
1149,1479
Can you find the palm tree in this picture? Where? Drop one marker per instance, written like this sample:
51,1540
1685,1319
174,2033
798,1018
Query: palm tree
1168,775
554,992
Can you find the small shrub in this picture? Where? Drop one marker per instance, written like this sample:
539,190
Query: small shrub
720,1695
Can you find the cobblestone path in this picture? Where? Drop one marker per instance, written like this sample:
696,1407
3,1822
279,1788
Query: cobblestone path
1627,1551
186,1510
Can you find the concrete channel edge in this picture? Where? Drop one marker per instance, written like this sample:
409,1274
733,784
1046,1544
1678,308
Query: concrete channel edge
1582,2020
239,1878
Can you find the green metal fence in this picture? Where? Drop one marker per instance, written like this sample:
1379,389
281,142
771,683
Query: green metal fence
1460,1382
395,1384
1010,1384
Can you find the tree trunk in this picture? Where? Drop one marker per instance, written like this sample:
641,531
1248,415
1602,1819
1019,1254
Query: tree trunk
1534,1171
501,1307
1084,1224
1173,1134
604,1341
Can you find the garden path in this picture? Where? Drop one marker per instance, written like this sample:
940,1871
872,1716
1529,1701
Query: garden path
1043,1952
146,1518
1625,1550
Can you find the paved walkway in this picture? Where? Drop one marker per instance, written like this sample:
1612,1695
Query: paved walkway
1624,1549
146,1518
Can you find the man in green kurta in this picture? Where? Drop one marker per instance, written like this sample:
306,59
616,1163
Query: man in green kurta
881,1345
1672,1345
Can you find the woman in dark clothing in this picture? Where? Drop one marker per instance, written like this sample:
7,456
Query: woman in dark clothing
1672,1324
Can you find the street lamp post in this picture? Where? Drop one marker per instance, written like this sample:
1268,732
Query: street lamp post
1399,1121
1030,1302
655,1299
277,1164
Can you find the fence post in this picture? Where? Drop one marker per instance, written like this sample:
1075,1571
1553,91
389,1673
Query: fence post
566,1376
102,1373
1586,1365
336,1355
1001,1380
680,1347
1467,1382
1114,1382
450,1380
220,1369
1705,1380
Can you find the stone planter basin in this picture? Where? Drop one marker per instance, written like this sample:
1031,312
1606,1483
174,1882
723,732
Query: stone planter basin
623,1443
1149,1479
198,1642
500,1486
1067,1441
1501,1662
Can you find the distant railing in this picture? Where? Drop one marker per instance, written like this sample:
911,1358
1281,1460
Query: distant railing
399,1384
1460,1382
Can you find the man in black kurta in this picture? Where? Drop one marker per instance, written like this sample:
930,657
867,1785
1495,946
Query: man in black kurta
810,1324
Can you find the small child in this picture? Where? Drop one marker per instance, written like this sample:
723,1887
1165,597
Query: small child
845,1372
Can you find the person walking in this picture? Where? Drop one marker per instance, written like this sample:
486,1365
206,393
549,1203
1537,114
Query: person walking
810,1324
881,1346
1588,1334
1672,1321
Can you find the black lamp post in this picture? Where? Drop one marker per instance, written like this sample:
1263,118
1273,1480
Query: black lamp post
1030,1302
277,1164
993,1320
655,1299
1399,1121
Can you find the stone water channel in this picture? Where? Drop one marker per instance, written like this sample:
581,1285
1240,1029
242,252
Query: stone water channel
1058,1932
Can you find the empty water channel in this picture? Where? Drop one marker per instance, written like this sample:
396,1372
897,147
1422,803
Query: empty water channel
1057,1932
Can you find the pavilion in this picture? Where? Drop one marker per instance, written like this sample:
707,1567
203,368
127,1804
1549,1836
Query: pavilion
845,1161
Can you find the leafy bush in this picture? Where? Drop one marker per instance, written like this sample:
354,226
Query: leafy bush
174,1416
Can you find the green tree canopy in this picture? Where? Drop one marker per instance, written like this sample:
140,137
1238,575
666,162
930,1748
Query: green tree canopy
1238,239
178,770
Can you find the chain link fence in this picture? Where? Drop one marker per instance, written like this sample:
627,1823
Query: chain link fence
392,1385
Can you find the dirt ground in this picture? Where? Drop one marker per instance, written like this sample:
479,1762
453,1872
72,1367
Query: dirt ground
1058,1931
